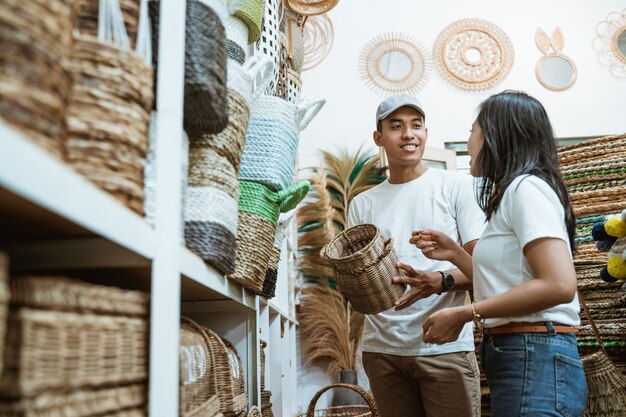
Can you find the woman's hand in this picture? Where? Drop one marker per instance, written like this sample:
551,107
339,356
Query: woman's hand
422,283
445,325
435,245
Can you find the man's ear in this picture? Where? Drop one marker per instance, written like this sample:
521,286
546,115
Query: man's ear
377,138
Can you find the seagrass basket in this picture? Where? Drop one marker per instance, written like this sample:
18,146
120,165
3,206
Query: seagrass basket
364,262
254,412
369,410
81,403
266,405
64,334
198,384
228,375
613,146
36,39
108,118
271,275
87,17
206,96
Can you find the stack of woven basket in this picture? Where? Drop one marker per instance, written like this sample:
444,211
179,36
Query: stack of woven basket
74,349
595,173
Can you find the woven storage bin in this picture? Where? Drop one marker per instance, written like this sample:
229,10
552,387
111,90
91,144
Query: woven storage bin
271,275
198,384
295,40
206,105
235,52
364,263
233,398
269,155
241,78
230,142
108,118
598,149
87,17
48,350
65,294
79,403
209,169
369,410
237,33
149,203
4,302
34,79
269,42
251,13
259,208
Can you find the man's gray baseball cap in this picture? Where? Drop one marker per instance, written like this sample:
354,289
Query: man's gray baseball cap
393,103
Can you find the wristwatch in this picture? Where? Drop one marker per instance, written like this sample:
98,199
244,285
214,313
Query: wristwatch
447,282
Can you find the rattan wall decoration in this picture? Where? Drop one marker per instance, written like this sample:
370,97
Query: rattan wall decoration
610,44
311,7
318,40
394,62
473,54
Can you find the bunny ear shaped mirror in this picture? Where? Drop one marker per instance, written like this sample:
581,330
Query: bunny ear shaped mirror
554,70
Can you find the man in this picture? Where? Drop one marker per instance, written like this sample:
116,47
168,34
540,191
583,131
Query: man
407,376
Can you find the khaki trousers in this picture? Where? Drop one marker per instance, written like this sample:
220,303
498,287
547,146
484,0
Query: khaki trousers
445,385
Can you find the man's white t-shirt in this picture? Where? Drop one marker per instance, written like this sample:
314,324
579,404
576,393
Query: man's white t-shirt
529,210
440,200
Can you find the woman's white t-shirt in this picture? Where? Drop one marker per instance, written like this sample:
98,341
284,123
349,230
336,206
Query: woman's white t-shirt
529,210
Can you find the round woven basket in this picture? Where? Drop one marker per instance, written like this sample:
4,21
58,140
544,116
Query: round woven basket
266,405
251,13
254,412
364,263
36,39
237,32
271,275
268,44
87,17
230,141
207,168
206,106
211,226
108,118
269,155
198,385
369,410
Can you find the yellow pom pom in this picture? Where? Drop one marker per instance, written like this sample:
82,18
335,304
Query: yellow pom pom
615,227
617,267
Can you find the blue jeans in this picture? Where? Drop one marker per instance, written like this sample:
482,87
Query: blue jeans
534,374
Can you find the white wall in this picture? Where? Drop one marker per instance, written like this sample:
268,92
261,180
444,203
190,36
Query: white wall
594,105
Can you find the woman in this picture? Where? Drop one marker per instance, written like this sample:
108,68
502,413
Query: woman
523,276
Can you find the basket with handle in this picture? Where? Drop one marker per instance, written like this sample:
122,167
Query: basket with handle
259,208
88,11
269,155
35,82
241,78
369,410
271,275
364,262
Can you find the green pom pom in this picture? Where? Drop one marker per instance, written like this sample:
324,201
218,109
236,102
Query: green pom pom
615,227
617,267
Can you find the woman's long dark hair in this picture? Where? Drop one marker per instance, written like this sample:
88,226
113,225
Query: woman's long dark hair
518,140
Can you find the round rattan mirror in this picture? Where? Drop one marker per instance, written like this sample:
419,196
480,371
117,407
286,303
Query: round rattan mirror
610,44
394,63
473,54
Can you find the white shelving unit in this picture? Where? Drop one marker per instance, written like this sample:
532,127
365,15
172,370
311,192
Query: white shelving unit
54,220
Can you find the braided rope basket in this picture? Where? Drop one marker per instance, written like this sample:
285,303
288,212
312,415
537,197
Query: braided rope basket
364,263
206,105
369,410
269,155
34,79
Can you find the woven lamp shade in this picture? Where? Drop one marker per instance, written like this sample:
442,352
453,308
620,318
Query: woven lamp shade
108,118
364,263
206,105
36,39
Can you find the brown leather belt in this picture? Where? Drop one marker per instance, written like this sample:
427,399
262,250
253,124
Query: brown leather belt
529,328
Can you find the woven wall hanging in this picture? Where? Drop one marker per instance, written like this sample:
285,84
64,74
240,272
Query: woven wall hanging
610,44
318,36
394,63
473,54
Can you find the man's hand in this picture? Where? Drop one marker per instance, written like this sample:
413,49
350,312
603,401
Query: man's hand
422,283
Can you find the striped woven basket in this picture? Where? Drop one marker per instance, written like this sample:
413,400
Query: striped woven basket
251,13
108,118
237,33
364,263
229,142
268,44
35,81
598,149
207,168
259,208
235,52
269,156
198,382
271,275
206,105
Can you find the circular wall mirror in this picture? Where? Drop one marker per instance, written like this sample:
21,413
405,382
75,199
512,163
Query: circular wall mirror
394,63
610,44
556,72
621,43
